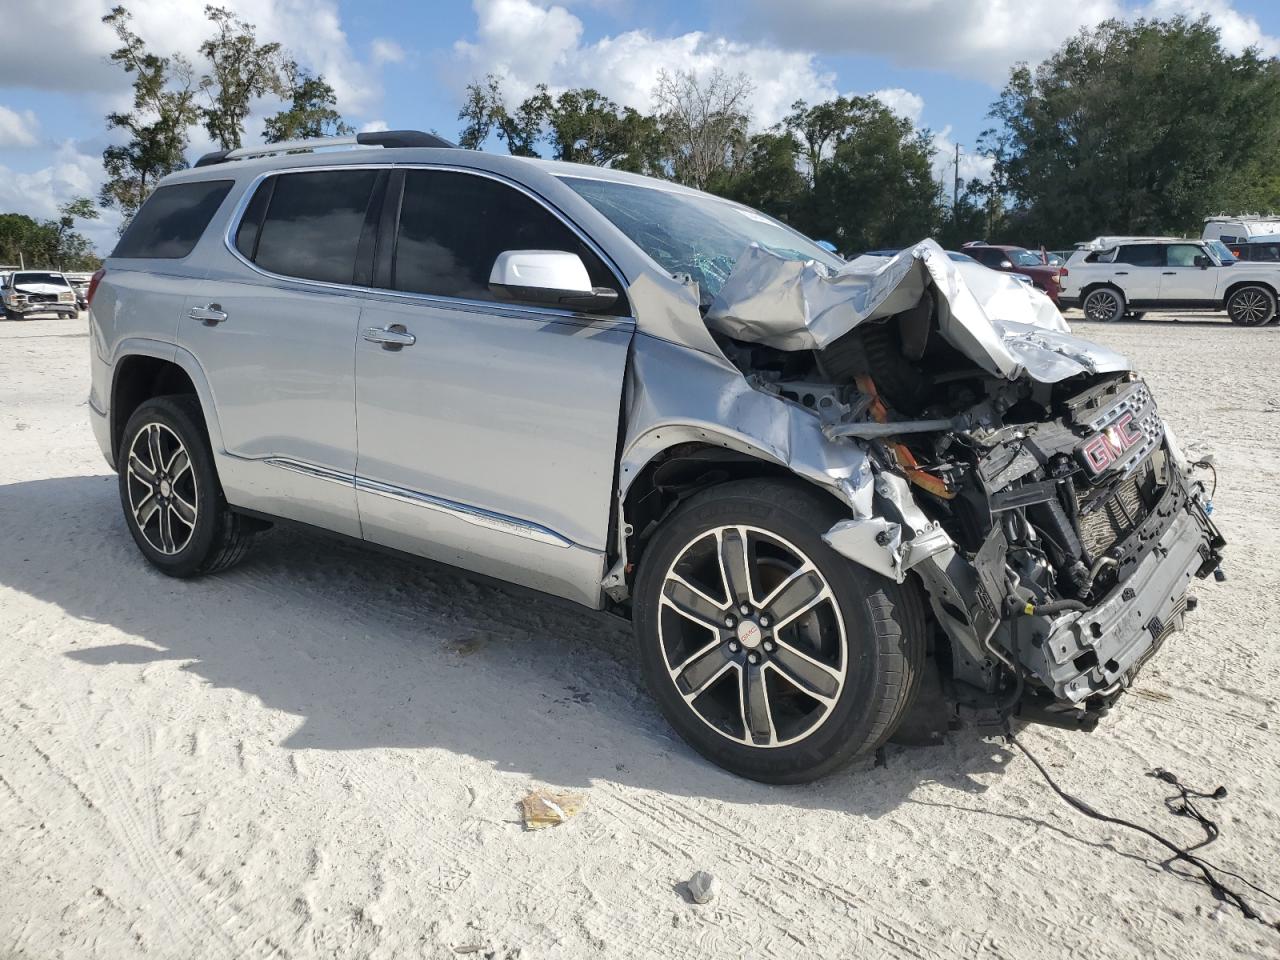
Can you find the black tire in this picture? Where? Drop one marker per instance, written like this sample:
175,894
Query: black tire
1252,305
219,537
1103,305
884,633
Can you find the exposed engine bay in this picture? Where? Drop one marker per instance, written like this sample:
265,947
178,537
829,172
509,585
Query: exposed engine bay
1024,476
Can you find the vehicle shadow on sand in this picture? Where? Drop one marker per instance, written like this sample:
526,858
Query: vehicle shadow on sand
372,650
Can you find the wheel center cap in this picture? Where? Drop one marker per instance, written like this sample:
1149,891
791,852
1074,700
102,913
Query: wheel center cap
164,488
749,634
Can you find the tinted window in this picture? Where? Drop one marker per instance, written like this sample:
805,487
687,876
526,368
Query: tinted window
1265,252
172,220
454,225
313,224
990,258
1141,255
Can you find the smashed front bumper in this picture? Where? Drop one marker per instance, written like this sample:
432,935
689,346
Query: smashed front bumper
1096,652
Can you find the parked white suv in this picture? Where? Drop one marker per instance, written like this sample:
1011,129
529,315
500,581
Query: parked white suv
1112,277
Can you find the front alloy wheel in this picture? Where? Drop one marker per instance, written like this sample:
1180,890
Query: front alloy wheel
752,637
770,653
1251,306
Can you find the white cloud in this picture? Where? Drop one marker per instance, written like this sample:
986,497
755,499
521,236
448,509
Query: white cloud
981,39
71,174
977,38
17,129
374,126
973,166
386,51
902,102
311,30
526,43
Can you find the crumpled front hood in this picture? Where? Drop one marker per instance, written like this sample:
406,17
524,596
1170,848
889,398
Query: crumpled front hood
1005,326
40,288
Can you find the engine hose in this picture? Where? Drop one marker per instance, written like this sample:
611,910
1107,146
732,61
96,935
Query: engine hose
1053,607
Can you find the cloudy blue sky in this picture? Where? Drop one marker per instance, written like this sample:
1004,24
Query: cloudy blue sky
939,62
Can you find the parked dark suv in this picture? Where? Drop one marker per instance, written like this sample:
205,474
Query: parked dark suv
1019,260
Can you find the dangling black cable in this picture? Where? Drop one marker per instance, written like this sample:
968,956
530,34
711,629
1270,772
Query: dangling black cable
1208,872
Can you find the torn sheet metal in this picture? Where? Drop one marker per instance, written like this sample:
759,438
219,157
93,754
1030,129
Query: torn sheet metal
675,395
804,305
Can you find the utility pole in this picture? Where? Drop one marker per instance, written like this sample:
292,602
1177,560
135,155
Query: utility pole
955,187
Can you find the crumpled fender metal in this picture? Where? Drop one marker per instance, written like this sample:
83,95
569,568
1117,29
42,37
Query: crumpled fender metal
1006,327
677,395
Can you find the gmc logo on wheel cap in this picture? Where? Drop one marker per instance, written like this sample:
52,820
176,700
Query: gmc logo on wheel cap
1101,451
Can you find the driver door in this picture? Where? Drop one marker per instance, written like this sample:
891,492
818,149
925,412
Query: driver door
1183,280
488,430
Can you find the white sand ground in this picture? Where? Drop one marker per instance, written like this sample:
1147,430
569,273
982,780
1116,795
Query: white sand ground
320,752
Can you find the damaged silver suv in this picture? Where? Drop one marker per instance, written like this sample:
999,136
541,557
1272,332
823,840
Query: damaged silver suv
799,477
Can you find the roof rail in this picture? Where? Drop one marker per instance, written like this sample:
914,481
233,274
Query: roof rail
373,138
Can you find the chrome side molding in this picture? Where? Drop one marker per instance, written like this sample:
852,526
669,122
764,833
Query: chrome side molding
460,511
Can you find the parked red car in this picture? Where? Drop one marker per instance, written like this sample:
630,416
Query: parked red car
1019,260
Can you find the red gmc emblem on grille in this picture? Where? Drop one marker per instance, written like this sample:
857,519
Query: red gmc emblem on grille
1102,450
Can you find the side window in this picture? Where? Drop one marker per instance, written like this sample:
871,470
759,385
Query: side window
171,221
454,225
989,258
1183,254
311,225
1269,252
1141,255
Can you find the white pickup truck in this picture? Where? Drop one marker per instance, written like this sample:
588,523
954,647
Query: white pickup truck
1113,277
37,291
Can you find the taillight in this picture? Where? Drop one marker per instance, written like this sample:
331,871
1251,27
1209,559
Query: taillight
93,285
1063,272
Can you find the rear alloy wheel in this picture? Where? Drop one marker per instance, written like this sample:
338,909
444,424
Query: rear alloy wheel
771,654
1252,306
169,490
1104,305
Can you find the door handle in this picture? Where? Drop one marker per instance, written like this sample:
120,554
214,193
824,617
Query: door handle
392,337
210,316
1122,273
1169,273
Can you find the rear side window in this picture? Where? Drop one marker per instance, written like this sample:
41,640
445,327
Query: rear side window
311,225
172,220
454,225
1141,255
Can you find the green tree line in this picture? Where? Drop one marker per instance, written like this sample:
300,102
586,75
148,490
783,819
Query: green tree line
1141,127
49,243
1130,127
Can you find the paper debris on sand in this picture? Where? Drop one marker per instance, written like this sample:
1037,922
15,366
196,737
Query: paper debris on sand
544,808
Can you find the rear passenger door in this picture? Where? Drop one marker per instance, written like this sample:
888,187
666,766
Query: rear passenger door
274,329
490,441
1137,269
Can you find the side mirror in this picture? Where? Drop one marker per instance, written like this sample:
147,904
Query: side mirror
1202,261
1006,264
551,278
